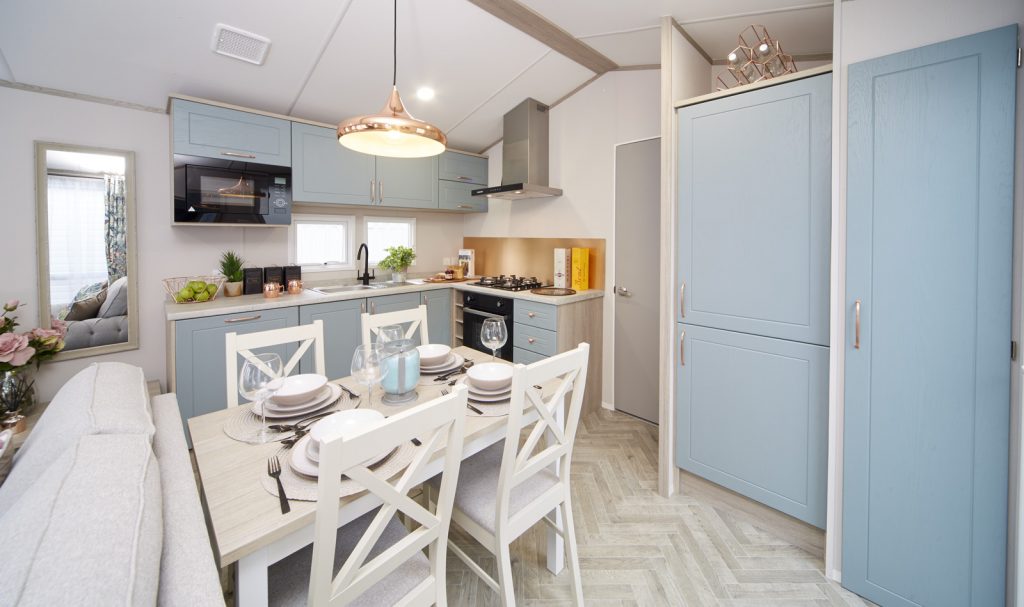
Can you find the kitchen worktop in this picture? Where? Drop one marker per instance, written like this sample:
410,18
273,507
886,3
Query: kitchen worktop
252,303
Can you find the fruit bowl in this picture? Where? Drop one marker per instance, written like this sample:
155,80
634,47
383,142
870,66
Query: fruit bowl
184,289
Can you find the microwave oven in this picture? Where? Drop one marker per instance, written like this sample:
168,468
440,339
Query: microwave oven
219,191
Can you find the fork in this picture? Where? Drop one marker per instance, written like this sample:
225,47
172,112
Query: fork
444,392
274,470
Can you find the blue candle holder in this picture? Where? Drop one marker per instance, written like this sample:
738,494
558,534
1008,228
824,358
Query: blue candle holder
403,364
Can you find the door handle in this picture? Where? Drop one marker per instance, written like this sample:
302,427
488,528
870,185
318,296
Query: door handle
237,155
373,191
462,178
465,206
856,325
380,191
242,318
682,348
373,307
682,300
530,340
362,308
531,314
623,292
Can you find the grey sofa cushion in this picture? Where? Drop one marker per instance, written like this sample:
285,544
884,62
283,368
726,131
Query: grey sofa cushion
89,531
96,332
103,398
188,573
88,307
116,303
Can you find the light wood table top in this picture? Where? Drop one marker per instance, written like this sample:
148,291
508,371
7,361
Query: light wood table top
243,517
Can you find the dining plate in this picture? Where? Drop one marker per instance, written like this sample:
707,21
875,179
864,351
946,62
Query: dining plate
302,464
448,360
480,398
299,389
490,376
331,393
348,423
456,362
473,389
434,355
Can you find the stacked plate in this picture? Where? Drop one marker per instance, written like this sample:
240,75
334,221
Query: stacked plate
436,359
489,383
300,395
305,457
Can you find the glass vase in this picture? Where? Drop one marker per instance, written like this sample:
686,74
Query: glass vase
17,391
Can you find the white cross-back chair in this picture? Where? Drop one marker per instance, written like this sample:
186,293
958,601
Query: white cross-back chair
506,489
415,319
242,344
375,560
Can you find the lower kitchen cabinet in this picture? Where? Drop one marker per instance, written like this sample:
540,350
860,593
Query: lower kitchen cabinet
200,371
439,315
394,303
752,416
525,357
342,333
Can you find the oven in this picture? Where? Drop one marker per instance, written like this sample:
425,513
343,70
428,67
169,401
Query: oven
214,190
478,307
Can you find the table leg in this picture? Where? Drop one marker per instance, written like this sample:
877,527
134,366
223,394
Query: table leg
251,580
556,545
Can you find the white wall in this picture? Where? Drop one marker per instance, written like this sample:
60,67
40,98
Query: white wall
865,29
616,108
164,251
800,66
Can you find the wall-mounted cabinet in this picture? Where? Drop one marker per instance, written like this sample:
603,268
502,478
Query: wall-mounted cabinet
216,132
458,175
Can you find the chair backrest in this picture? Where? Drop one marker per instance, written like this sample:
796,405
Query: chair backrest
555,424
438,424
416,319
242,344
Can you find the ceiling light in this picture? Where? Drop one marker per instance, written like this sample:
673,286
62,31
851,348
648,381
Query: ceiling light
424,93
392,131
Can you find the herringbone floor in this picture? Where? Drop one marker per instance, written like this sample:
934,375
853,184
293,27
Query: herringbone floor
637,548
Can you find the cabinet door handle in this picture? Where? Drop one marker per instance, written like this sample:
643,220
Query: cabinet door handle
682,300
362,308
373,191
682,348
530,314
465,206
373,307
242,318
380,190
530,340
856,325
461,178
237,155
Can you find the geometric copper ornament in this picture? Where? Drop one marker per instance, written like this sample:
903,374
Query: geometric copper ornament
756,57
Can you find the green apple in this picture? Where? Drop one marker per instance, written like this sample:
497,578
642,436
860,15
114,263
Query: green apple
211,289
178,298
202,296
186,293
197,285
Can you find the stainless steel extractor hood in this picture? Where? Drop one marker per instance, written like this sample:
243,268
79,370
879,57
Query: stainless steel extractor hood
524,155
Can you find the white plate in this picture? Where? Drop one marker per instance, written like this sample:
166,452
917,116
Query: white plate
349,423
273,407
301,462
490,400
433,355
299,389
490,376
333,393
445,363
474,391
455,364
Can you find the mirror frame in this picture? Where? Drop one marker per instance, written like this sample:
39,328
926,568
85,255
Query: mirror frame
43,245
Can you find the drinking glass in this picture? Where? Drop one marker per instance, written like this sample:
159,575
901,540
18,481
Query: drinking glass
259,379
369,366
494,334
390,333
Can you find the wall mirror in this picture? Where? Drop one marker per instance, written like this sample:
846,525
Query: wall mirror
86,247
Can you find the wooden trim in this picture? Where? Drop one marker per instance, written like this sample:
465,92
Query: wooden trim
807,57
643,66
690,39
816,71
44,90
536,26
574,91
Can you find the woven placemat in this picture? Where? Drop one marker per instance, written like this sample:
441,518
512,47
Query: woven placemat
244,424
304,489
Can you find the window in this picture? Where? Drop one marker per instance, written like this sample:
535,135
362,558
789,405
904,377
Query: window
78,248
384,232
321,242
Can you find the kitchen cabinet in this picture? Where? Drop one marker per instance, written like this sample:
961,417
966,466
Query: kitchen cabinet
200,370
394,303
216,132
325,171
409,183
439,315
342,333
456,196
465,168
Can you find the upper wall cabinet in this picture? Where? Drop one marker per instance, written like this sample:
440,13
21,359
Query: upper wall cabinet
409,183
454,166
325,171
216,132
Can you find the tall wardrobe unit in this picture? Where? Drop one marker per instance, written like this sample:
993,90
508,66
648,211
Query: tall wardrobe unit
752,317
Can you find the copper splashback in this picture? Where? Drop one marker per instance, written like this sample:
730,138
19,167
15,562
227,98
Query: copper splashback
532,256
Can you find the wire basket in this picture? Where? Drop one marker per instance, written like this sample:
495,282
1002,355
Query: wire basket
176,284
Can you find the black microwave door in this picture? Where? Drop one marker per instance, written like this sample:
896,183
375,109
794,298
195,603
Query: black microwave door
211,191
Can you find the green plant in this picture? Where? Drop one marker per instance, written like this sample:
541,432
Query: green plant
398,260
231,266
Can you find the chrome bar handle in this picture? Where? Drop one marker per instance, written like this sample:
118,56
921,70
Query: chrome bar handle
373,190
362,308
462,178
682,300
380,191
373,307
465,206
237,155
243,318
682,347
856,325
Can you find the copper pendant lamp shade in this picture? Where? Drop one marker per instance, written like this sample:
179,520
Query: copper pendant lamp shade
392,131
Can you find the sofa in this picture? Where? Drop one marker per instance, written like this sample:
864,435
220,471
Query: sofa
101,507
100,319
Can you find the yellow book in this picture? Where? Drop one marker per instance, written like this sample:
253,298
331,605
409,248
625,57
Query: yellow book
580,269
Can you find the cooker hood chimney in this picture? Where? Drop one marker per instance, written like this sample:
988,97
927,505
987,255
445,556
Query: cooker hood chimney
524,155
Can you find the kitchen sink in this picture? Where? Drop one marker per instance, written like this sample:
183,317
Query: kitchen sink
348,288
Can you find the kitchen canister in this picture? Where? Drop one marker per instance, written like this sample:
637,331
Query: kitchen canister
403,364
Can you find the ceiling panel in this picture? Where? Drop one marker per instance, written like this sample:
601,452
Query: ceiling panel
142,51
463,53
802,32
547,81
640,47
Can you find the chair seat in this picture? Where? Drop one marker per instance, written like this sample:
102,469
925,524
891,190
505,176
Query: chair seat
289,578
477,490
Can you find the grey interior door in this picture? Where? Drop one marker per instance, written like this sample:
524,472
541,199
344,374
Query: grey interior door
637,226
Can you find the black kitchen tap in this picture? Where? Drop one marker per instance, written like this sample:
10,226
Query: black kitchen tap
366,277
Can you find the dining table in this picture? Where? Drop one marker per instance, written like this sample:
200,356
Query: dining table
245,521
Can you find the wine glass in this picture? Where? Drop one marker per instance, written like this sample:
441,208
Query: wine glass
369,366
390,333
259,379
494,334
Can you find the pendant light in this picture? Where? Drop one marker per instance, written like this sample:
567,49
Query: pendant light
392,131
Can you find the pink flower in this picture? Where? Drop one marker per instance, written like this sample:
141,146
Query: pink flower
14,349
12,305
46,338
60,326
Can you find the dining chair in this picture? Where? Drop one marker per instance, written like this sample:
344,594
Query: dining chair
375,560
506,489
416,319
242,344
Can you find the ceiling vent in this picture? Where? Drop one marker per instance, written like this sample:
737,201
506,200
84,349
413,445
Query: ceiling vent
240,44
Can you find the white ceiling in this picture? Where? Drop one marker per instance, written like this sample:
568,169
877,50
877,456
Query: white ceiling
332,59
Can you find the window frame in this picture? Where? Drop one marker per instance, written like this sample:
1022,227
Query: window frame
350,230
409,220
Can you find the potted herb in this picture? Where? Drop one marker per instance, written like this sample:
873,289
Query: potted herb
398,261
231,267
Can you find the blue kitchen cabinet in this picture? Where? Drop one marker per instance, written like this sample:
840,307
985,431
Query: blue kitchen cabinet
535,335
342,333
216,132
457,196
325,171
752,416
409,183
200,372
439,315
395,303
464,168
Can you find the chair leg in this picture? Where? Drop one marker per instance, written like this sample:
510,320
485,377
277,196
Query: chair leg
508,595
572,557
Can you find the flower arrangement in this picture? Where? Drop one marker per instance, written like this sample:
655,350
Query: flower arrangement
17,351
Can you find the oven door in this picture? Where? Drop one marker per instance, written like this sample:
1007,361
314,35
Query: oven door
473,320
